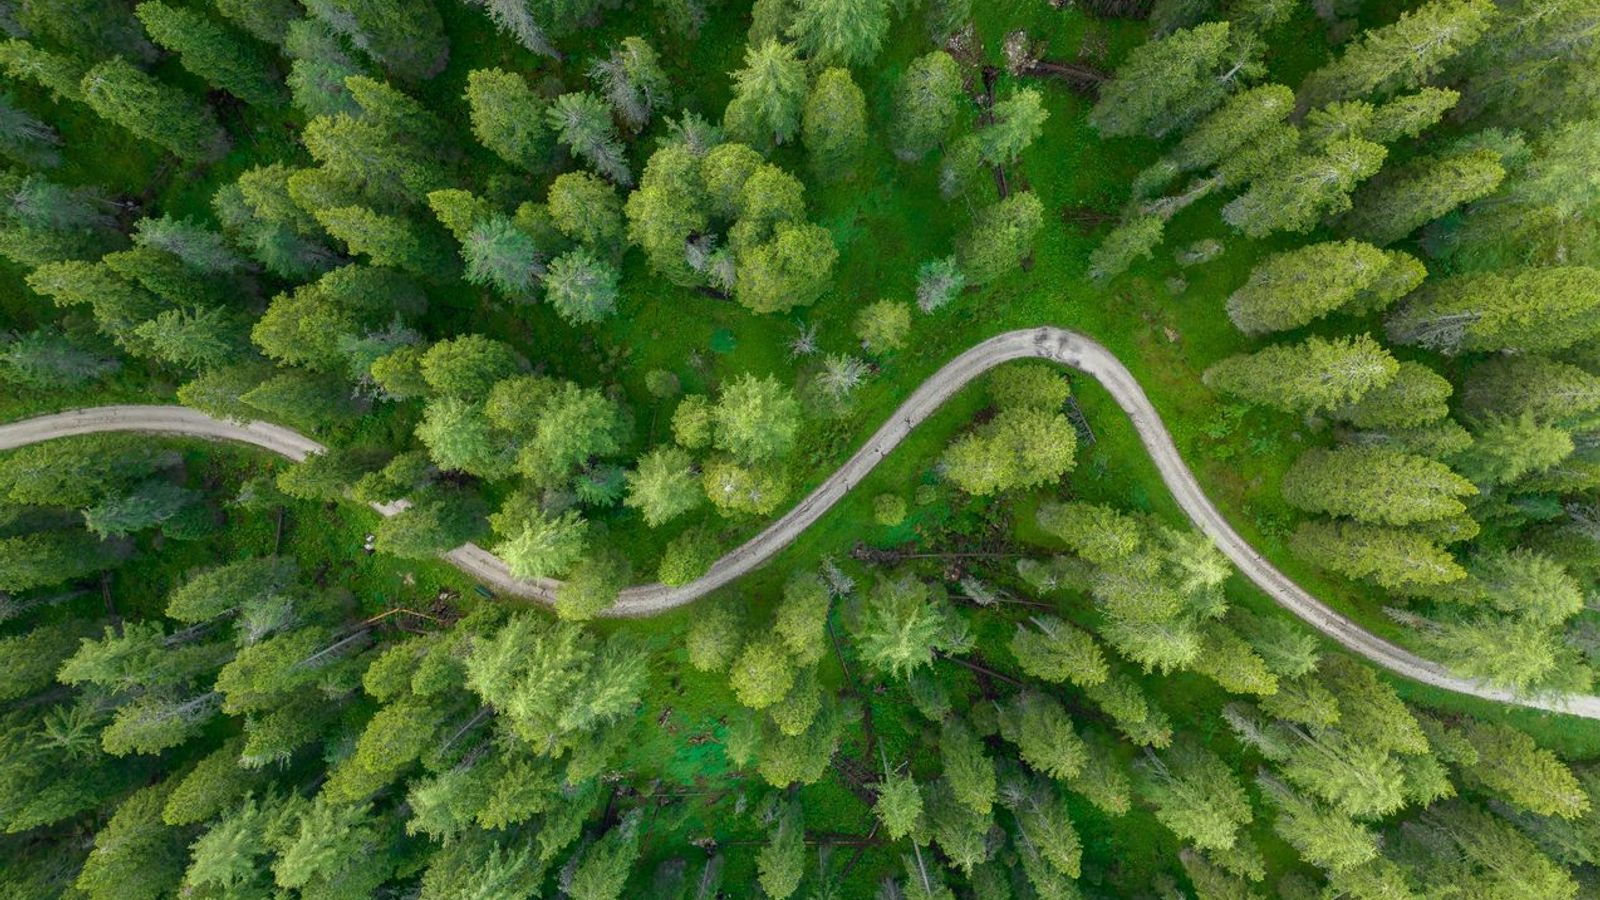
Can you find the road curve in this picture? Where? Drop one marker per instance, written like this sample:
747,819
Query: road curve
1054,344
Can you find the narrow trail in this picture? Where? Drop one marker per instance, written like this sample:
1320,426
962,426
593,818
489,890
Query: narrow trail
1057,345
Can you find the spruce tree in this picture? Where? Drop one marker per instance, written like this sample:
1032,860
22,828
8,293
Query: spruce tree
1527,310
582,122
1400,201
1305,188
164,115
1375,484
507,117
769,95
1164,84
1296,287
1315,375
406,38
1393,558
220,57
926,102
834,125
998,237
1401,55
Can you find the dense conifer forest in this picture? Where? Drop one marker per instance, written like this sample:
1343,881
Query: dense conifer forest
607,287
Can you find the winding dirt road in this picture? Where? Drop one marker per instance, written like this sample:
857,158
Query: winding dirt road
1054,344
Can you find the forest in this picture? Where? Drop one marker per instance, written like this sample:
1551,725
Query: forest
598,449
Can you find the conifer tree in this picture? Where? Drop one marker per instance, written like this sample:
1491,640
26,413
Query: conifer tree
582,287
1232,125
926,103
1315,375
631,80
507,117
998,237
406,38
1515,385
834,125
1055,651
1195,795
265,20
1528,310
1296,287
1401,55
781,862
582,122
1018,121
664,486
1129,242
1511,765
769,95
905,624
1164,84
1400,201
88,29
163,115
1305,188
213,52
59,73
840,32
968,771
1375,484
1393,558
1416,396
586,209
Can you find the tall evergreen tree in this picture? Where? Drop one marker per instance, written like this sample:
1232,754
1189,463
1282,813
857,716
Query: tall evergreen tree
163,115
769,96
1315,375
926,103
834,125
1165,84
213,52
840,32
1400,55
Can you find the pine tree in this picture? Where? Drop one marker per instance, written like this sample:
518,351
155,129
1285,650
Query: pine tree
714,639
968,771
668,208
756,419
1416,396
834,125
1526,310
163,115
769,94
216,54
407,39
582,122
792,269
1018,121
45,359
1018,448
1511,765
1164,84
135,854
586,209
87,29
1537,385
582,287
998,237
1300,378
1126,244
1375,484
926,103
538,545
1233,125
1058,652
1042,732
516,18
899,805
762,673
905,624
1296,287
1400,201
781,863
386,240
1401,55
507,117
26,139
1305,188
632,81
1195,795
1393,558
60,74
265,20
664,486
841,32
1535,65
